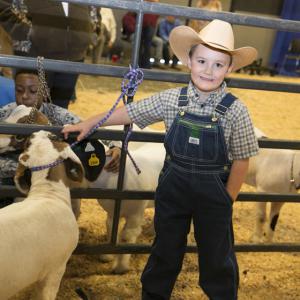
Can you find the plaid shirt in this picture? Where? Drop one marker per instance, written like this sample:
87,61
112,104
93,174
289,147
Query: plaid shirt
238,129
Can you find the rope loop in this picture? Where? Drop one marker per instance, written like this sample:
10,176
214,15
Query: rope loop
131,81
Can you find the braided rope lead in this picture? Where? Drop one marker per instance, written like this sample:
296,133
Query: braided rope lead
132,79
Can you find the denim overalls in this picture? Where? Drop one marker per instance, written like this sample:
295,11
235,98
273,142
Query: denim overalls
192,186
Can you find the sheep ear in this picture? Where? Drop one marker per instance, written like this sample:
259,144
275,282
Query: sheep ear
23,178
74,170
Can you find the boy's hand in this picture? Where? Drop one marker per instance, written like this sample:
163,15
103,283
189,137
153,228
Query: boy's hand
82,127
114,164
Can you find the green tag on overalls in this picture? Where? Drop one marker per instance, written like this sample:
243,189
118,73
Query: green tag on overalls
194,135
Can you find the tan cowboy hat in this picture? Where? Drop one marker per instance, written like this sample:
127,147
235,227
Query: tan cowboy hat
217,34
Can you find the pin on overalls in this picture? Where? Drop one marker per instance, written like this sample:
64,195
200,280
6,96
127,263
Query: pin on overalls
192,187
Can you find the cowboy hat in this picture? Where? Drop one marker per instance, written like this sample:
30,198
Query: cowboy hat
218,35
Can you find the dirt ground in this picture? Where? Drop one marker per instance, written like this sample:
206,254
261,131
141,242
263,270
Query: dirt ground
263,276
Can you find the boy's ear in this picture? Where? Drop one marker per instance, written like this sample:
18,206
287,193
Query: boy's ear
189,63
229,69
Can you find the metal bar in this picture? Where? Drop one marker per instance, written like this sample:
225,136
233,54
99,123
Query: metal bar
153,137
143,249
121,175
189,5
195,13
119,72
9,190
137,37
232,6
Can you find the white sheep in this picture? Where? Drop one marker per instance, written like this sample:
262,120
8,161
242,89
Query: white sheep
39,234
272,171
149,157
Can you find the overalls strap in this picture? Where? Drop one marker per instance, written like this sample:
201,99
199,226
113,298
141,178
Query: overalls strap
226,102
183,98
221,108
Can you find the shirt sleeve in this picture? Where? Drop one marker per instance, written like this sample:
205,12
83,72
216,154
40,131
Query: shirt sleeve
60,115
243,142
6,110
8,167
147,111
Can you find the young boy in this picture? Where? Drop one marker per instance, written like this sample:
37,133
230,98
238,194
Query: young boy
26,91
208,142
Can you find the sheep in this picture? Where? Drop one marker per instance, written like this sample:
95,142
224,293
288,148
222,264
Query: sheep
39,234
24,115
150,158
272,171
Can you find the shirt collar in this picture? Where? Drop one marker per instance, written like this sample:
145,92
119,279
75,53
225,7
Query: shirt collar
197,96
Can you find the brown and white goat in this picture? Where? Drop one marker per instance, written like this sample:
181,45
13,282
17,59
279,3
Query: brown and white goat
8,142
39,234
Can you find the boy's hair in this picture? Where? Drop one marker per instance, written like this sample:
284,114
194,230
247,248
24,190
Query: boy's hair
25,71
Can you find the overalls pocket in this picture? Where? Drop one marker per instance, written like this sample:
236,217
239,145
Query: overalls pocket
199,142
223,189
164,174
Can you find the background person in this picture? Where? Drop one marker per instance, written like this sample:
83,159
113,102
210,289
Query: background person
148,32
105,31
213,5
165,27
54,30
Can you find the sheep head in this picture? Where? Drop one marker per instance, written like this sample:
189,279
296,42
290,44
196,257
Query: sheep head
20,115
44,148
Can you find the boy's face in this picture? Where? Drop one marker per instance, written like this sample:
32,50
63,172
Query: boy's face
27,89
208,68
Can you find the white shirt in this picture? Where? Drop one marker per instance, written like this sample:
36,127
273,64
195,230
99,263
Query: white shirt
66,8
108,19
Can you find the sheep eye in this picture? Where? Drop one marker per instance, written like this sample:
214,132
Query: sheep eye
50,137
20,138
53,137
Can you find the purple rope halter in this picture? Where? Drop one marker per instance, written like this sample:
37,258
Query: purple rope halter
130,83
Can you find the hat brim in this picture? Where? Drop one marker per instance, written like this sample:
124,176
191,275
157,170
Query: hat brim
183,38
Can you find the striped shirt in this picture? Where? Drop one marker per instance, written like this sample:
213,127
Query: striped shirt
238,130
